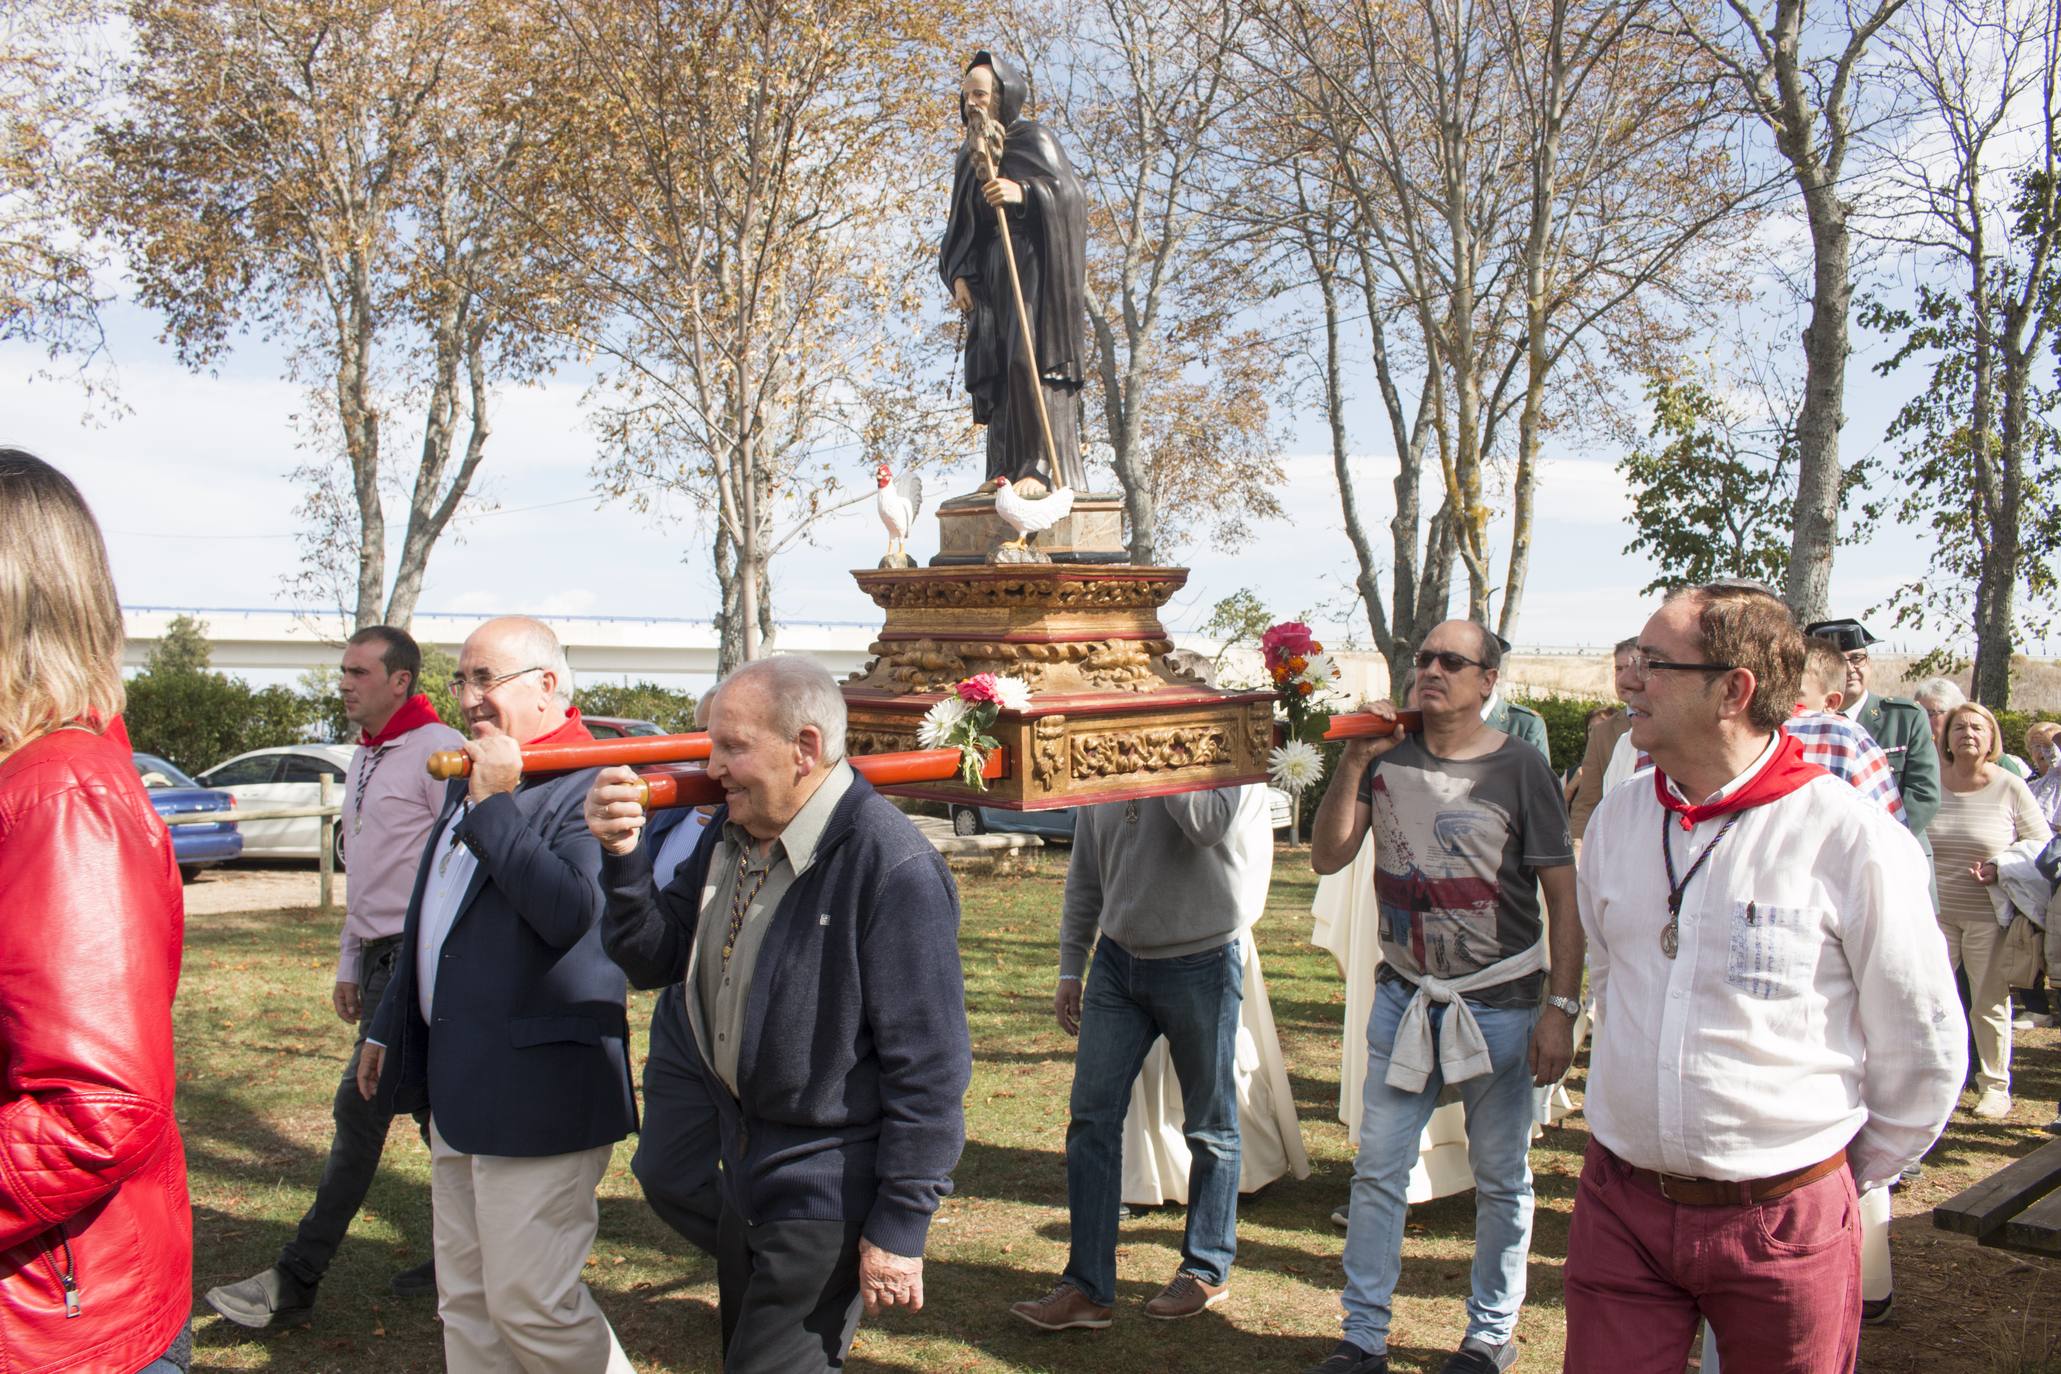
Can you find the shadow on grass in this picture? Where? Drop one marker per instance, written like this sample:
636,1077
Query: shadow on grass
973,1309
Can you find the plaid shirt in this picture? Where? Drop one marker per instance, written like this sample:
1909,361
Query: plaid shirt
1842,749
1845,750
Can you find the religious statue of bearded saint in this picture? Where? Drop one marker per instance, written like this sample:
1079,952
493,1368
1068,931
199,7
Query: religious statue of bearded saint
1037,188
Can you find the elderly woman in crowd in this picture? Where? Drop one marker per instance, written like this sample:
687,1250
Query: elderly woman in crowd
2041,739
1939,695
96,1237
1983,811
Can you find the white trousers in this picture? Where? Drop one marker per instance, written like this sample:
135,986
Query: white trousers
512,1235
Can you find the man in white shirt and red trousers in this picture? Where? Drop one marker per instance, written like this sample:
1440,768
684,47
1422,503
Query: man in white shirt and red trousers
1776,1018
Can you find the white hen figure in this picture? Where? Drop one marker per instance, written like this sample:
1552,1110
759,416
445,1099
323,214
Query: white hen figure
900,500
1028,517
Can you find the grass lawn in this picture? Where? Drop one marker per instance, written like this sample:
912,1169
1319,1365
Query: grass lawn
260,1052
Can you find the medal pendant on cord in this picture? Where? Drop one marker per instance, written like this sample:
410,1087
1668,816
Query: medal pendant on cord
1671,933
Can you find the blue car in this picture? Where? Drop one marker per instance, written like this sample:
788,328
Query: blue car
202,844
1056,824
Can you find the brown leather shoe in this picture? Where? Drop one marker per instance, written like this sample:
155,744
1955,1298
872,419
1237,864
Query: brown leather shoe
1062,1309
1186,1296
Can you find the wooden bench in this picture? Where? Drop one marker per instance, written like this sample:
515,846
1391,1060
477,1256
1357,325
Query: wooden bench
2016,1208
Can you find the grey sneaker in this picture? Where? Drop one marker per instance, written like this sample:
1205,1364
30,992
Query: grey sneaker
273,1298
1477,1356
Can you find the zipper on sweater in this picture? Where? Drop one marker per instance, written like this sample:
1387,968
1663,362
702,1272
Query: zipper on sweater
68,1277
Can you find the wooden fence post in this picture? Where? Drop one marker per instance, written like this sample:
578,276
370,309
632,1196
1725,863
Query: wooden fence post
328,858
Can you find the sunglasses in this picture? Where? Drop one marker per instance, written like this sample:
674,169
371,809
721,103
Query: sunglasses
1641,663
1447,659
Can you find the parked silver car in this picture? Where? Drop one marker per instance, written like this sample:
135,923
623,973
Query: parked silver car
284,777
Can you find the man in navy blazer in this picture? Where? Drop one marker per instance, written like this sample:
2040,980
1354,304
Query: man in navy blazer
814,933
505,1017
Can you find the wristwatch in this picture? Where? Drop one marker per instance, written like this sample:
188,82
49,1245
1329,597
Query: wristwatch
1566,1004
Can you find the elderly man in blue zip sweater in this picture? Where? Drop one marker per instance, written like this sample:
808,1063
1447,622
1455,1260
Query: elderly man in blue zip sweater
814,933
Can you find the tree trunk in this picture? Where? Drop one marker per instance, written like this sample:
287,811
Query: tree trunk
1538,241
434,501
1993,517
358,415
1823,413
1364,580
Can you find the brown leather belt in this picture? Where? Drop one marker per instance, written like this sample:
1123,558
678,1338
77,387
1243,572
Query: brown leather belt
1712,1192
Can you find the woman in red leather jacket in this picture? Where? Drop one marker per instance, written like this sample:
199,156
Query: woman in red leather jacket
96,1237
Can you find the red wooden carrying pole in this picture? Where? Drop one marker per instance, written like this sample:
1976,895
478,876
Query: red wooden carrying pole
1366,724
692,786
565,758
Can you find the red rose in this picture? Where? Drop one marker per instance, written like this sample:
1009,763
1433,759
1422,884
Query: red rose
1289,639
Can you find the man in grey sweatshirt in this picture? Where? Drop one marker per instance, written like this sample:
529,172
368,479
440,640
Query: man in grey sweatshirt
1160,879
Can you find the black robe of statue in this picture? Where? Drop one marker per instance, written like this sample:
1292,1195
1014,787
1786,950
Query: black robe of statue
1049,233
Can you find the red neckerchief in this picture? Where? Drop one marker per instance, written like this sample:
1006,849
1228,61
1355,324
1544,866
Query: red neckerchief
1778,777
571,732
413,714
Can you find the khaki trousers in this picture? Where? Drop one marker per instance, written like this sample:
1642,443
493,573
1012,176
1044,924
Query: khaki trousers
1977,946
512,1235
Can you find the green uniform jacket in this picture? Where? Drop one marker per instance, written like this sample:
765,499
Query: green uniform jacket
1904,733
1529,726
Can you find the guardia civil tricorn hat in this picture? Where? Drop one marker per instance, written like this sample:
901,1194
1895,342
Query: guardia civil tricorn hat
1845,635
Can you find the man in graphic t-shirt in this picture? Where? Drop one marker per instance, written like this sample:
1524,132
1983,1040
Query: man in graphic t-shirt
1468,825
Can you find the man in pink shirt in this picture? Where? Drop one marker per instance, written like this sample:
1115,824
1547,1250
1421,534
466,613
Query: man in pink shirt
390,804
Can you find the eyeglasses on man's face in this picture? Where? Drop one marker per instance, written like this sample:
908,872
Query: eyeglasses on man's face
1641,663
1447,659
481,682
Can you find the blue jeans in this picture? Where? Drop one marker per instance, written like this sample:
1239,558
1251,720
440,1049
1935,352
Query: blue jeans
1129,1003
1499,1122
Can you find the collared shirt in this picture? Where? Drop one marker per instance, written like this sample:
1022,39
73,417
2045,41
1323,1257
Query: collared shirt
718,989
677,845
1848,752
1852,709
452,865
1832,742
1810,1005
390,802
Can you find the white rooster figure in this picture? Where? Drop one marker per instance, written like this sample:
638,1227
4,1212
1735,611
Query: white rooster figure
1028,517
900,500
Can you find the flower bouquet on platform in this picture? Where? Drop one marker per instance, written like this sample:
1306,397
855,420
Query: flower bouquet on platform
962,720
1304,678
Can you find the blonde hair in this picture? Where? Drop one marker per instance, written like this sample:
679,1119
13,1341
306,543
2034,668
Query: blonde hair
60,622
1970,708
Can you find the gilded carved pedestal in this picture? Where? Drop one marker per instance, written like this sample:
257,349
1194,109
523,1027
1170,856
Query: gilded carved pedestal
1109,720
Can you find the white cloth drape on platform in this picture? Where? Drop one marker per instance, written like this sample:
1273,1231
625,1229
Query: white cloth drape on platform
1269,1140
1347,926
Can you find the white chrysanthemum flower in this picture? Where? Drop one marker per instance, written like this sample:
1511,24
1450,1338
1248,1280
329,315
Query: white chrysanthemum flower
941,724
1322,670
1295,765
1011,694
